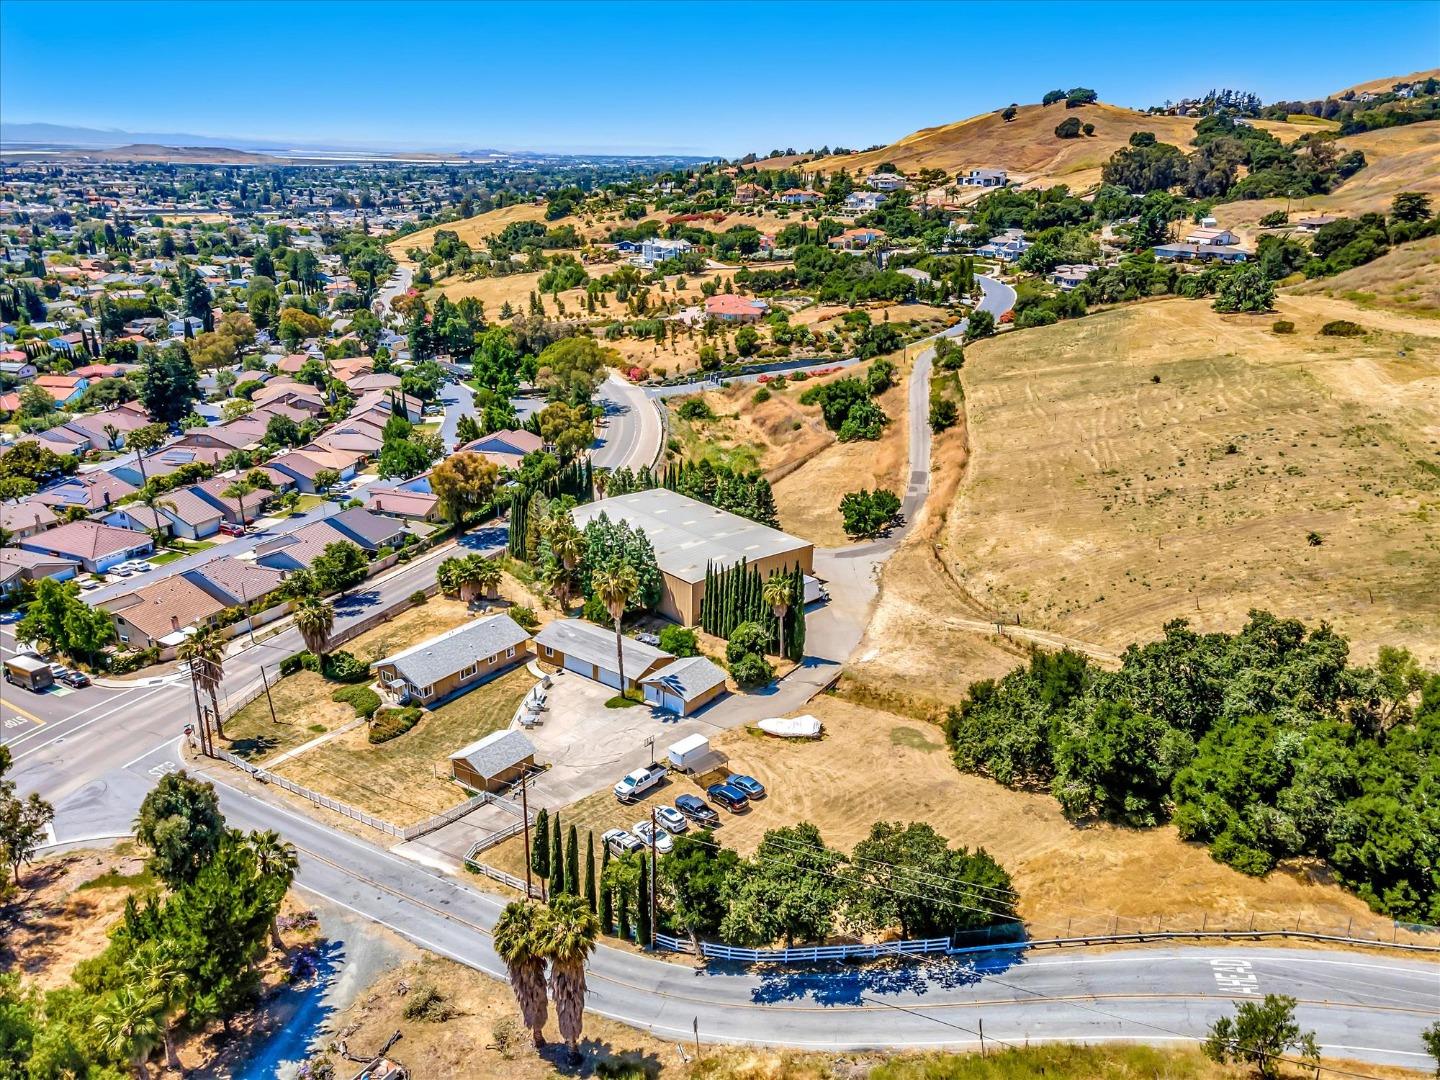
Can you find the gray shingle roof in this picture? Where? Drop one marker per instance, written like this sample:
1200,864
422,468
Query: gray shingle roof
432,660
688,535
688,678
596,645
496,752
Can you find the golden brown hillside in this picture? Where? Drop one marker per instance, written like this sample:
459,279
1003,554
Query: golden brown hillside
1397,159
472,230
1407,279
1380,86
1026,146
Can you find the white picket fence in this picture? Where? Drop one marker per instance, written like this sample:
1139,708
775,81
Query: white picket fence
809,954
402,832
518,884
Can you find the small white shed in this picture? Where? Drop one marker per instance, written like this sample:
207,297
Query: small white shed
688,751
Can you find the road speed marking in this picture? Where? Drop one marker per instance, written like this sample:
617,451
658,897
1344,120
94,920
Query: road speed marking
1235,977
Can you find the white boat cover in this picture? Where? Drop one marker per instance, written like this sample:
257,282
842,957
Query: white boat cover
791,727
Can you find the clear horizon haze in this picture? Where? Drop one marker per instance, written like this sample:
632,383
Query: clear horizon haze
682,78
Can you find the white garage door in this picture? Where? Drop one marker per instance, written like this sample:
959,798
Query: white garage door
571,664
672,702
609,678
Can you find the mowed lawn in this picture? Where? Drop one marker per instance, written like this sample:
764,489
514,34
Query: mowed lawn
408,778
1163,461
873,766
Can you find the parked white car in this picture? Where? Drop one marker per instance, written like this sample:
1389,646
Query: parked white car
672,820
663,843
639,781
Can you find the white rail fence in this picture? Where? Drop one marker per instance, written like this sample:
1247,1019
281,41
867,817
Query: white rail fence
402,832
809,954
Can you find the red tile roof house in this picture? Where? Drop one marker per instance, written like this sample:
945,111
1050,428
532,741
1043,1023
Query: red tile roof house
94,546
409,505
63,388
727,307
854,239
506,448
236,582
17,565
306,463
236,511
62,439
93,491
158,615
193,518
26,518
123,421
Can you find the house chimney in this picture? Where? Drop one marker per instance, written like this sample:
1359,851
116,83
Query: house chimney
174,622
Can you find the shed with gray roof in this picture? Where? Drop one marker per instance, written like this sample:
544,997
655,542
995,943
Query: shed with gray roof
686,686
454,661
494,762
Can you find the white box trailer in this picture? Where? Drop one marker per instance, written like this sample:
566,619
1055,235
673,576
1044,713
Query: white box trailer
684,754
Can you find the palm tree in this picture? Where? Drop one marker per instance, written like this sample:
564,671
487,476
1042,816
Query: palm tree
567,543
552,578
112,436
142,440
155,972
241,487
129,1027
776,593
519,935
205,653
277,860
615,586
314,619
569,938
487,576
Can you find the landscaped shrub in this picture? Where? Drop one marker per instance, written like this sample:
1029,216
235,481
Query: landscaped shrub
747,638
364,700
1342,328
594,610
418,597
1283,326
427,1003
306,661
126,662
679,641
752,670
393,723
525,617
760,396
344,667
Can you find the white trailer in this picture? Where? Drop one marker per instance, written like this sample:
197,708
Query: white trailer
686,753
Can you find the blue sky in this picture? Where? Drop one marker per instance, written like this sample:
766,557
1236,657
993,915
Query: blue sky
717,77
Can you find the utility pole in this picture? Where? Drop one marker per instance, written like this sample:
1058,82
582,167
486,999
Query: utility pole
982,1038
653,855
525,822
201,717
268,699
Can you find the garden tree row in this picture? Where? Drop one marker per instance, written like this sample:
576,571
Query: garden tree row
1265,744
738,597
540,480
745,494
179,961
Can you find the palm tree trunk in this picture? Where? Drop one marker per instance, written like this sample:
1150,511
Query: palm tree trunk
619,656
141,1069
172,1058
215,708
275,938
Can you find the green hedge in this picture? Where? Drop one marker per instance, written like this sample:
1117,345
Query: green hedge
340,666
393,723
364,699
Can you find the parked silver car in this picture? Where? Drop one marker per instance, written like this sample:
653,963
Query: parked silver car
663,843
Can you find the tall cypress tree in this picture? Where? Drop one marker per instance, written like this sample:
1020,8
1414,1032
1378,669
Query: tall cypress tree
606,908
557,858
642,905
540,846
572,863
590,870
622,905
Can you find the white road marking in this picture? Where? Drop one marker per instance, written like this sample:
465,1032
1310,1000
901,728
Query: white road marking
29,750
1235,977
147,753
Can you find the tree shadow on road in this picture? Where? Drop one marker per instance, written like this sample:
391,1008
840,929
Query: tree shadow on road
847,984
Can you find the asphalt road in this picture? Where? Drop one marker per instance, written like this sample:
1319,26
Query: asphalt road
97,759
631,431
399,282
1365,1006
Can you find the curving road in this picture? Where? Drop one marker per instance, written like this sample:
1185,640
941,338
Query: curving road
1365,1006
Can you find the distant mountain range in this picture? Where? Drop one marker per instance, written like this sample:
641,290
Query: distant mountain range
67,135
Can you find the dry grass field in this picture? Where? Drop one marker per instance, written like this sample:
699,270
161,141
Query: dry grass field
1164,461
1382,85
1407,280
1397,159
407,778
1027,146
873,765
809,497
473,230
771,436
